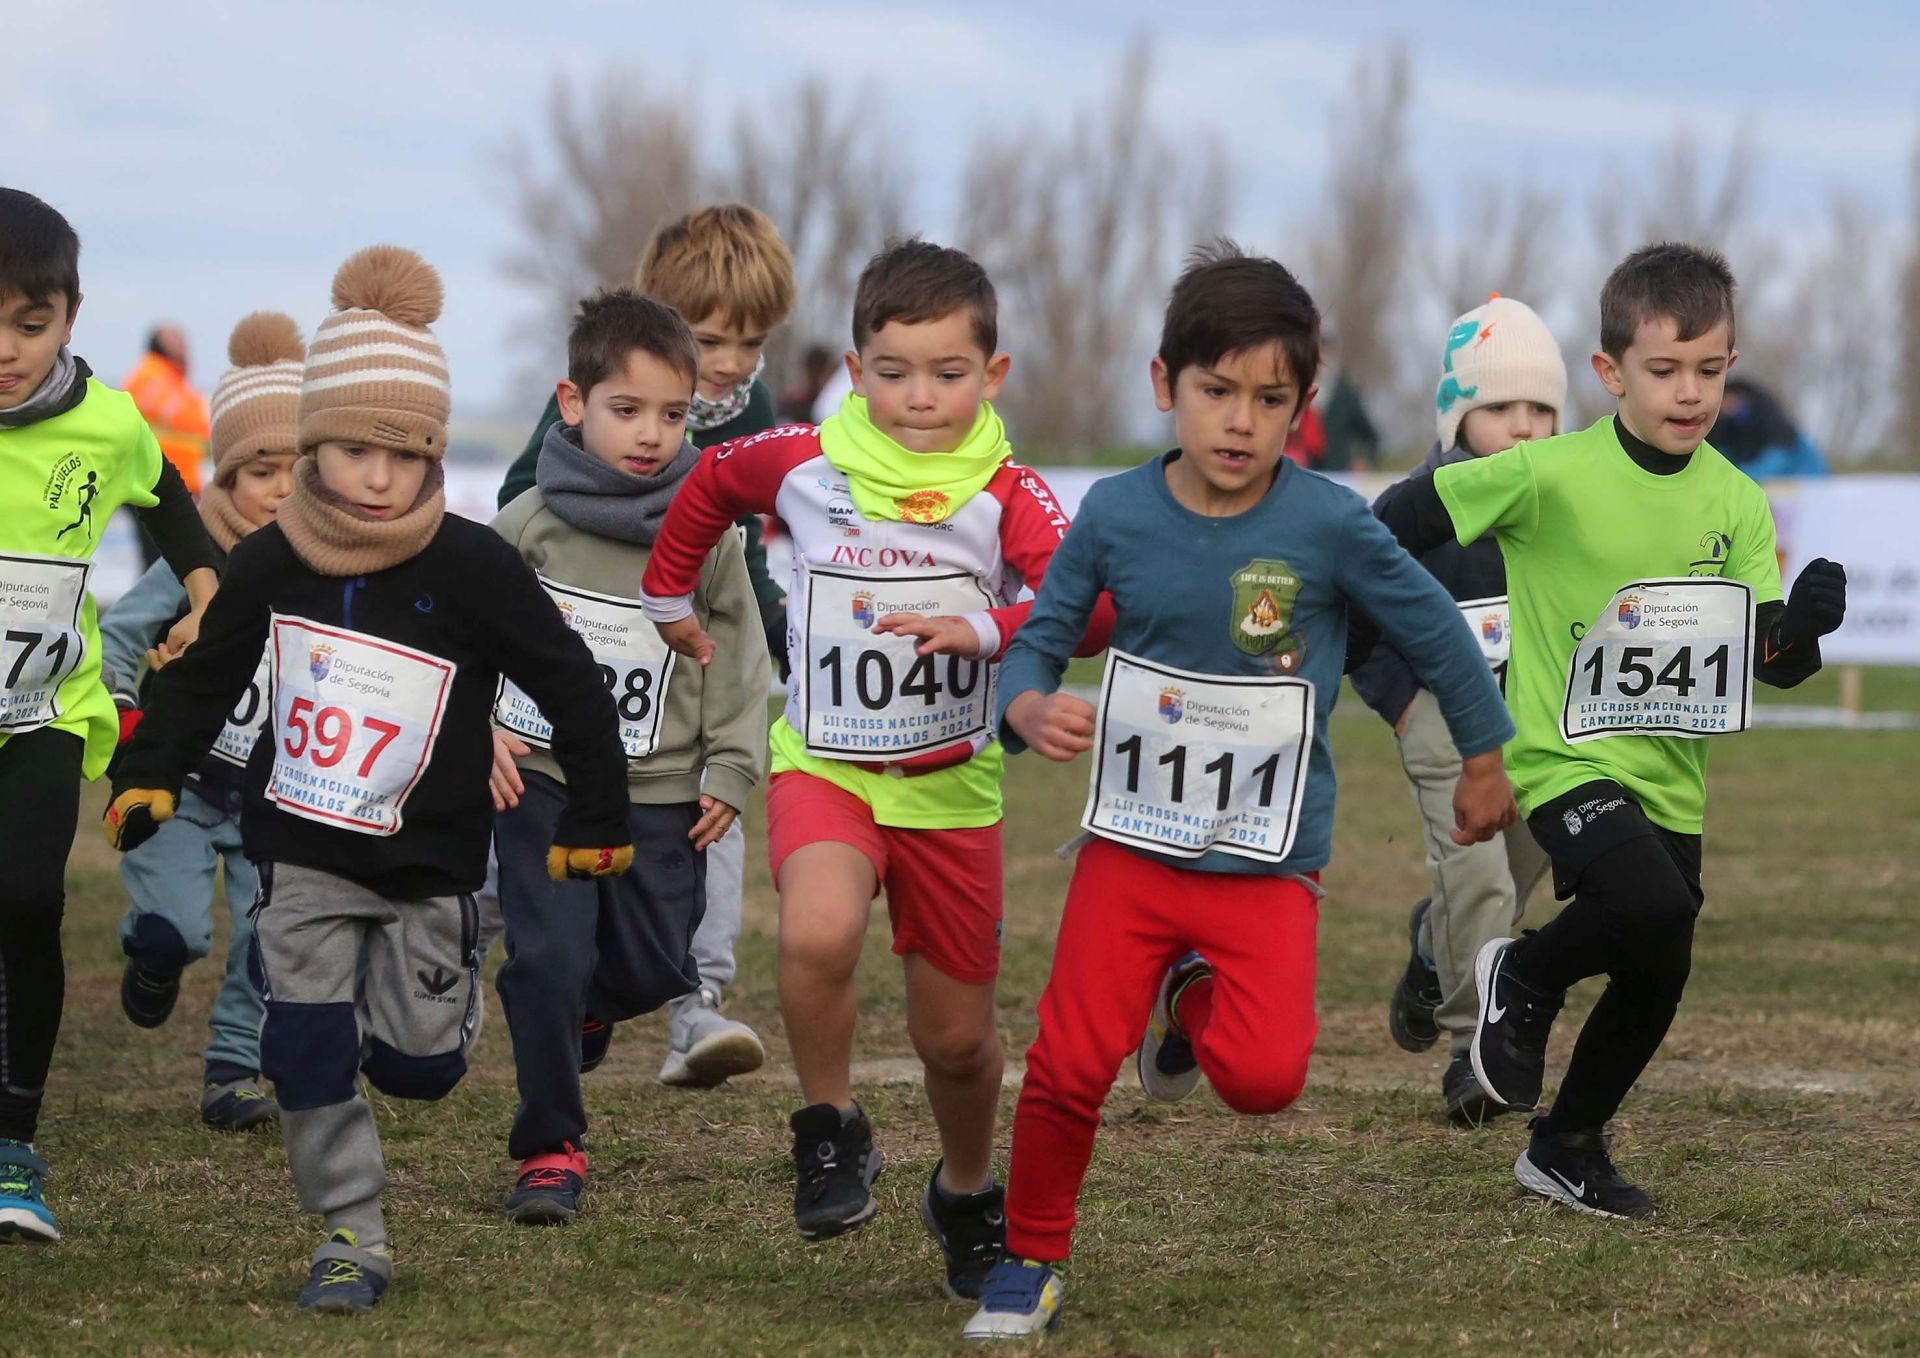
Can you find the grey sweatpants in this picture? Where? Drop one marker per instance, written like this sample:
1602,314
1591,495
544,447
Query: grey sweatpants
355,982
1479,890
719,929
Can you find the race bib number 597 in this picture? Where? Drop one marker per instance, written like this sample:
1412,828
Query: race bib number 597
355,719
1668,657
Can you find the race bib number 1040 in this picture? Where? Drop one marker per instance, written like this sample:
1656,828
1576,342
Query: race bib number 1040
355,719
1670,657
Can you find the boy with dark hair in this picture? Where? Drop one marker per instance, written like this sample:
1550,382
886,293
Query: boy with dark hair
71,452
390,623
595,953
170,878
726,271
1194,904
1645,598
913,533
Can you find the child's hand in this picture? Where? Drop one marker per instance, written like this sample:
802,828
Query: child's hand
1057,725
716,819
944,635
1483,803
182,635
504,780
687,637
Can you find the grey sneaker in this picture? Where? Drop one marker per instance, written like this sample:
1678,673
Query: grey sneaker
704,1046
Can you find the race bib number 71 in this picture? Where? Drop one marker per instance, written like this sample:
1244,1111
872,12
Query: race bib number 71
40,638
355,719
1669,657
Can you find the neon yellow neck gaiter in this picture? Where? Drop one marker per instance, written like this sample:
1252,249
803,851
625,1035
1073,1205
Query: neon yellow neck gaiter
891,482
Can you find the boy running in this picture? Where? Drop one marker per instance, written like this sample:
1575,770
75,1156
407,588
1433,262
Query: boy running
170,878
728,273
913,533
1502,381
1645,597
595,953
389,623
1193,908
71,452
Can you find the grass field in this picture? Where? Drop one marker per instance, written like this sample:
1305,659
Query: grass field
1776,1130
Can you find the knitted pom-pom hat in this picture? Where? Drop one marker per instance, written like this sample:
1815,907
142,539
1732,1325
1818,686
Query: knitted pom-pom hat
1499,351
256,403
375,374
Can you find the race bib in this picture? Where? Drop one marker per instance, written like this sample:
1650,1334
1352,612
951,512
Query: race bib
1185,763
355,719
236,739
634,664
40,638
869,696
1492,628
1669,657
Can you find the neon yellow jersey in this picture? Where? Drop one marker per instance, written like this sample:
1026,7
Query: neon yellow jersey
60,481
1577,519
963,797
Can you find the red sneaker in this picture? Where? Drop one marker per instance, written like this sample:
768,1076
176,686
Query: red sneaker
548,1190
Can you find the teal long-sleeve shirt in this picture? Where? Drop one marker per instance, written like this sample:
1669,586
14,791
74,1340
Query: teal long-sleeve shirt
1180,595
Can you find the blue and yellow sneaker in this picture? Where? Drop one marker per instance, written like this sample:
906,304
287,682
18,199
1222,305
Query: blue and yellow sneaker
345,1279
1021,1298
1167,1066
23,1210
237,1105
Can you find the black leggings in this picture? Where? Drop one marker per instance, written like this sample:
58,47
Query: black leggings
39,812
1631,918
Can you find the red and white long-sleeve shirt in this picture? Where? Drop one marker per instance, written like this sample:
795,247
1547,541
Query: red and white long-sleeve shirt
849,571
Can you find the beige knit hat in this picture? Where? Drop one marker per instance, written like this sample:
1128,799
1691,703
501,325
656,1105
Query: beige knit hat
1500,351
375,373
257,400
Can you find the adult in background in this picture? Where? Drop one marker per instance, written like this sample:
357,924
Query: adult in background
1755,433
175,412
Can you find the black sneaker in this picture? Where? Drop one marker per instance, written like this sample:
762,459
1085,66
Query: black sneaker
1575,1169
146,996
1410,1011
237,1105
1510,1041
971,1231
1467,1103
836,1163
595,1038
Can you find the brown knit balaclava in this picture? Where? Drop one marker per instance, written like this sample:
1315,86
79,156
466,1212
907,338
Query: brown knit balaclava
254,412
375,375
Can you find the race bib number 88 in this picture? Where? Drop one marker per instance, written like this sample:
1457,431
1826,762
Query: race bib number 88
635,665
1670,657
1185,763
355,719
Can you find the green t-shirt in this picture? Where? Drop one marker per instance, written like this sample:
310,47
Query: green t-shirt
1577,520
60,481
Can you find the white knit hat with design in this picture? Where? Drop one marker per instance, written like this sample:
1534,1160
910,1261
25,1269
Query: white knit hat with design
1500,351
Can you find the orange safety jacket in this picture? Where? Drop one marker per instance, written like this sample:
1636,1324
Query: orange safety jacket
176,412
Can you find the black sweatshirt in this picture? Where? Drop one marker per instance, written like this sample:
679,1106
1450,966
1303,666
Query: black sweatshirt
467,598
1419,519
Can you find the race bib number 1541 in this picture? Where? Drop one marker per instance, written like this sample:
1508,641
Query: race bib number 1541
1669,657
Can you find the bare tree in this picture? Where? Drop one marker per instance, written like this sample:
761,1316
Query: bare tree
1073,226
1684,196
822,174
610,166
1907,378
1358,261
1506,243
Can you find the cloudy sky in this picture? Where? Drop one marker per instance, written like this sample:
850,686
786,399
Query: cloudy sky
217,158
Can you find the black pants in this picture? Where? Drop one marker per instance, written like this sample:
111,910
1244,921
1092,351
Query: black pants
39,812
1636,893
613,948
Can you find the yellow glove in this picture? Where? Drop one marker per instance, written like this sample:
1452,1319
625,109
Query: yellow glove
563,863
136,816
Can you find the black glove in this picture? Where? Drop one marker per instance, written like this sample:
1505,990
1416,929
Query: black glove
1818,603
773,621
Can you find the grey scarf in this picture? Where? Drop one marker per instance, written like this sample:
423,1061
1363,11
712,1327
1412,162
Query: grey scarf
53,395
601,499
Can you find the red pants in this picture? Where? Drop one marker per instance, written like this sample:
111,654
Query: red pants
1129,917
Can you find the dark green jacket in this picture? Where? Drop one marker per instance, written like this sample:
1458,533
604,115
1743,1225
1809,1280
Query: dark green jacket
757,416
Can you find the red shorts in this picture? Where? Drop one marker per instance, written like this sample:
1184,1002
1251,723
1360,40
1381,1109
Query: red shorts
944,887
